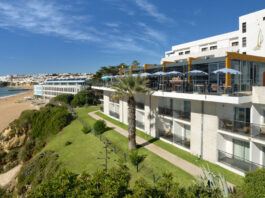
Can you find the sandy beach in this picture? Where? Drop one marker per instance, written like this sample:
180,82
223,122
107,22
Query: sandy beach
11,107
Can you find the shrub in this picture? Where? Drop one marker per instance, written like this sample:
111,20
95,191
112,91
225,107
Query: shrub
254,183
136,159
42,167
63,98
86,129
27,150
4,193
67,143
99,127
85,97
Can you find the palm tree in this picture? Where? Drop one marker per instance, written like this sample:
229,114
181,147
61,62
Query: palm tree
126,88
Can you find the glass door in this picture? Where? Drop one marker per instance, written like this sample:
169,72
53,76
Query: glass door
241,150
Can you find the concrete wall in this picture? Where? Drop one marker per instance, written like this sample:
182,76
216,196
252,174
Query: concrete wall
106,102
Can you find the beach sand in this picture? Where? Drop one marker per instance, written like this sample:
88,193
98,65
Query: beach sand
11,108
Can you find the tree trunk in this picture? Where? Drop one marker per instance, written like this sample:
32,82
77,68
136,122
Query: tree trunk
132,124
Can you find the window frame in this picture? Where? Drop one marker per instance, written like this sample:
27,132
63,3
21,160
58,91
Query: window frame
244,41
244,27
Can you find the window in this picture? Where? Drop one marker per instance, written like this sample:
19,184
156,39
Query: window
244,27
180,53
263,18
240,149
244,42
213,47
244,52
234,43
187,52
204,49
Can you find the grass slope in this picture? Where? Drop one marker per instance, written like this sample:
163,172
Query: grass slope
82,154
230,176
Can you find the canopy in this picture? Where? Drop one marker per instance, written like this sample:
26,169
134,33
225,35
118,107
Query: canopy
227,71
174,73
106,77
160,73
197,73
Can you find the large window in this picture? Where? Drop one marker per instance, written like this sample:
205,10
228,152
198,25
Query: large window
244,27
241,149
244,42
235,43
242,114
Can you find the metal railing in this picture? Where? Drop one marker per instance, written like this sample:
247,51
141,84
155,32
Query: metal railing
139,105
194,86
114,114
258,131
182,115
237,162
165,111
139,124
185,142
233,126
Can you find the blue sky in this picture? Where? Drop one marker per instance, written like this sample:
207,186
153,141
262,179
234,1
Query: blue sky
40,36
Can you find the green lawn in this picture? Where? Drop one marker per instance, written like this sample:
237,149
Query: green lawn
230,176
82,154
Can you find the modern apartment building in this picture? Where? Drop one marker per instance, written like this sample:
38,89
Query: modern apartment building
217,116
55,87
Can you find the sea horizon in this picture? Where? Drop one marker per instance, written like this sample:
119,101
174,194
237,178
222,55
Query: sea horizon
7,92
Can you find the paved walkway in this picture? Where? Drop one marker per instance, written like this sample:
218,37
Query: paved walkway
7,177
173,159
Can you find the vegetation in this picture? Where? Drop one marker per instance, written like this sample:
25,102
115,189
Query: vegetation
43,167
86,97
254,185
229,176
136,159
127,88
110,70
99,127
63,98
86,129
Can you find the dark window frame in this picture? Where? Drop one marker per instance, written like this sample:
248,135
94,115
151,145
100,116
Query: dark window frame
244,27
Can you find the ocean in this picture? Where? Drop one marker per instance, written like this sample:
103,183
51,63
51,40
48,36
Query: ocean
7,91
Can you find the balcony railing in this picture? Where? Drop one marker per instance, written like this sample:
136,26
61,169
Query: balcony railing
114,114
139,124
182,115
165,111
194,86
185,142
139,105
238,127
237,162
258,131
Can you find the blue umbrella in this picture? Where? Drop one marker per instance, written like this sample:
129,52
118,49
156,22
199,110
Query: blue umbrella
227,71
197,73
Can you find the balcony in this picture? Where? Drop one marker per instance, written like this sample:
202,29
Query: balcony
185,142
237,127
182,115
139,124
165,111
258,131
237,162
114,114
139,105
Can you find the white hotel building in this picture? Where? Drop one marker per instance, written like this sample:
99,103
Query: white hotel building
219,117
54,87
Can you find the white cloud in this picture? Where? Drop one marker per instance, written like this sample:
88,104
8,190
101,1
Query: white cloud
152,10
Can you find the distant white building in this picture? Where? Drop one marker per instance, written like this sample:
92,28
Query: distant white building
55,87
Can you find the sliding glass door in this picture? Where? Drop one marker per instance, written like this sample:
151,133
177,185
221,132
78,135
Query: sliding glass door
241,150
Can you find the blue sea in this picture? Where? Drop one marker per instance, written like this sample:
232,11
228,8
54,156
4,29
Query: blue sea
8,91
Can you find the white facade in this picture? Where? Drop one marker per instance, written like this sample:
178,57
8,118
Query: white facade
217,46
52,88
201,117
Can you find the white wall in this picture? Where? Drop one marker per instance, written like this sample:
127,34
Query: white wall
106,95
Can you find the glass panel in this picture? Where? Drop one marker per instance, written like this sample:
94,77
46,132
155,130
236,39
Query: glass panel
241,149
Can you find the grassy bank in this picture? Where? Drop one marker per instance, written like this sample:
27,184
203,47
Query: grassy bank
83,153
230,176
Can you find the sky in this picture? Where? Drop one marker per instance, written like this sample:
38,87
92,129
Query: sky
50,36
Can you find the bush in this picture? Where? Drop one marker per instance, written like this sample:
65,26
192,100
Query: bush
86,129
63,98
42,167
67,143
254,184
27,150
99,127
4,193
85,97
136,159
